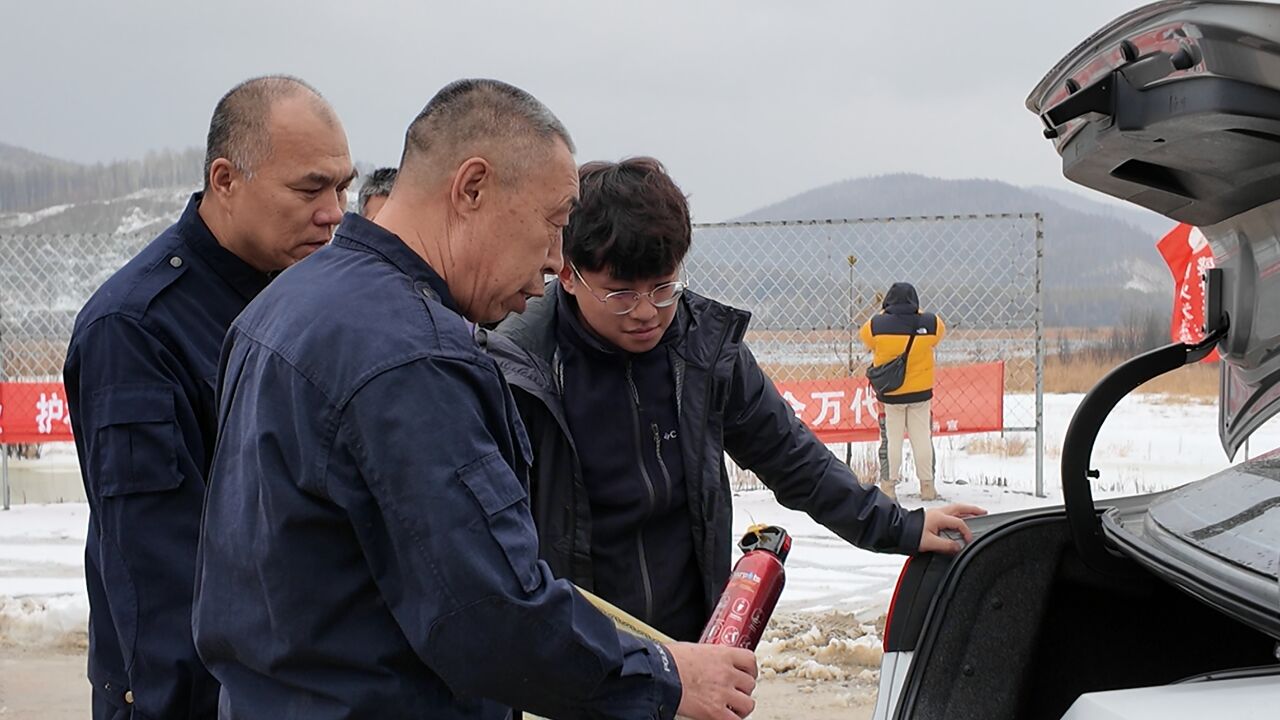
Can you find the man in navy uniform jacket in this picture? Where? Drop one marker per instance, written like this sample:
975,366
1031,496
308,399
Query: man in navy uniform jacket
140,376
367,548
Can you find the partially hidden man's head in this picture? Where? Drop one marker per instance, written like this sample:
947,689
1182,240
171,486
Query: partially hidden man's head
375,190
486,186
628,238
277,168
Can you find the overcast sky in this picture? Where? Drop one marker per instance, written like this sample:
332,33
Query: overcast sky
747,102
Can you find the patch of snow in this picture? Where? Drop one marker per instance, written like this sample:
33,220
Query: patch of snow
135,221
50,620
22,219
180,194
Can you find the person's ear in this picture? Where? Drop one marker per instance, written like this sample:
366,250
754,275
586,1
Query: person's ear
472,185
567,280
222,178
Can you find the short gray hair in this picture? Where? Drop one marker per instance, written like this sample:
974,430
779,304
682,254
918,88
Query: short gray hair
467,114
239,129
377,184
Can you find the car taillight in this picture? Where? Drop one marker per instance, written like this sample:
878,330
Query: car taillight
897,588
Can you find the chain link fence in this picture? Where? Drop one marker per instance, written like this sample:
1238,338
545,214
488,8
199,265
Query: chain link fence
810,286
44,281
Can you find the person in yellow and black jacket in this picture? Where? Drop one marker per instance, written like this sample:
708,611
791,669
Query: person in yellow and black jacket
908,407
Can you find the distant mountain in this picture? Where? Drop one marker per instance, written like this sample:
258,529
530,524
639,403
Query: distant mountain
41,195
1100,263
16,158
30,181
1152,223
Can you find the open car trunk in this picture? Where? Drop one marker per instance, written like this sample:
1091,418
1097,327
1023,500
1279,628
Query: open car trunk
1175,107
1021,627
1218,539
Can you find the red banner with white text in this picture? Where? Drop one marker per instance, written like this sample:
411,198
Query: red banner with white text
1188,255
966,399
33,413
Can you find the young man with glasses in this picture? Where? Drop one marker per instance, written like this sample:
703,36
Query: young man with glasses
632,389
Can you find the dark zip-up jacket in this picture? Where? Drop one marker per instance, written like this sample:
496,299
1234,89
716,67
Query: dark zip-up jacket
624,405
725,404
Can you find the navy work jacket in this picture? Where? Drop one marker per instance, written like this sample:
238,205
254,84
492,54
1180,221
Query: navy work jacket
367,547
140,374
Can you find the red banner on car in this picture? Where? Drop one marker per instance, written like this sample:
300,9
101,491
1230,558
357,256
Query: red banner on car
33,413
966,399
1188,255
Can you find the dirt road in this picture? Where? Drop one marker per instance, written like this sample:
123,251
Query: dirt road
49,684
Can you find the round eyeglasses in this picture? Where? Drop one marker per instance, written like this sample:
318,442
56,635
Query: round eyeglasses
621,302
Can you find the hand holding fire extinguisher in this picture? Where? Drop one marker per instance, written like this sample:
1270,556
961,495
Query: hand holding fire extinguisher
718,674
717,682
737,624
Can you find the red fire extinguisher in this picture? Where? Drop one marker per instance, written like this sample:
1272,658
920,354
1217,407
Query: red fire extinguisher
752,592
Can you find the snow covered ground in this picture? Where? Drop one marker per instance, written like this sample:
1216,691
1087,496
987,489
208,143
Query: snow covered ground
1150,443
829,620
42,591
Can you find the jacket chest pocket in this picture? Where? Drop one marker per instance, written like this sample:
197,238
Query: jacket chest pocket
135,440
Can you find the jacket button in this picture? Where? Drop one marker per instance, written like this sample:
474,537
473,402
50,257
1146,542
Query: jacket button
128,696
175,261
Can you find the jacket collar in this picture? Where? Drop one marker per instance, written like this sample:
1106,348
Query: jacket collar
358,233
240,275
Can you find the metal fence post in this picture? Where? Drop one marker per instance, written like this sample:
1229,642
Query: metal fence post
851,320
1039,311
4,449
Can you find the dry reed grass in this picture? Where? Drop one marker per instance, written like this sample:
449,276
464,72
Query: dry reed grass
1006,446
1196,383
